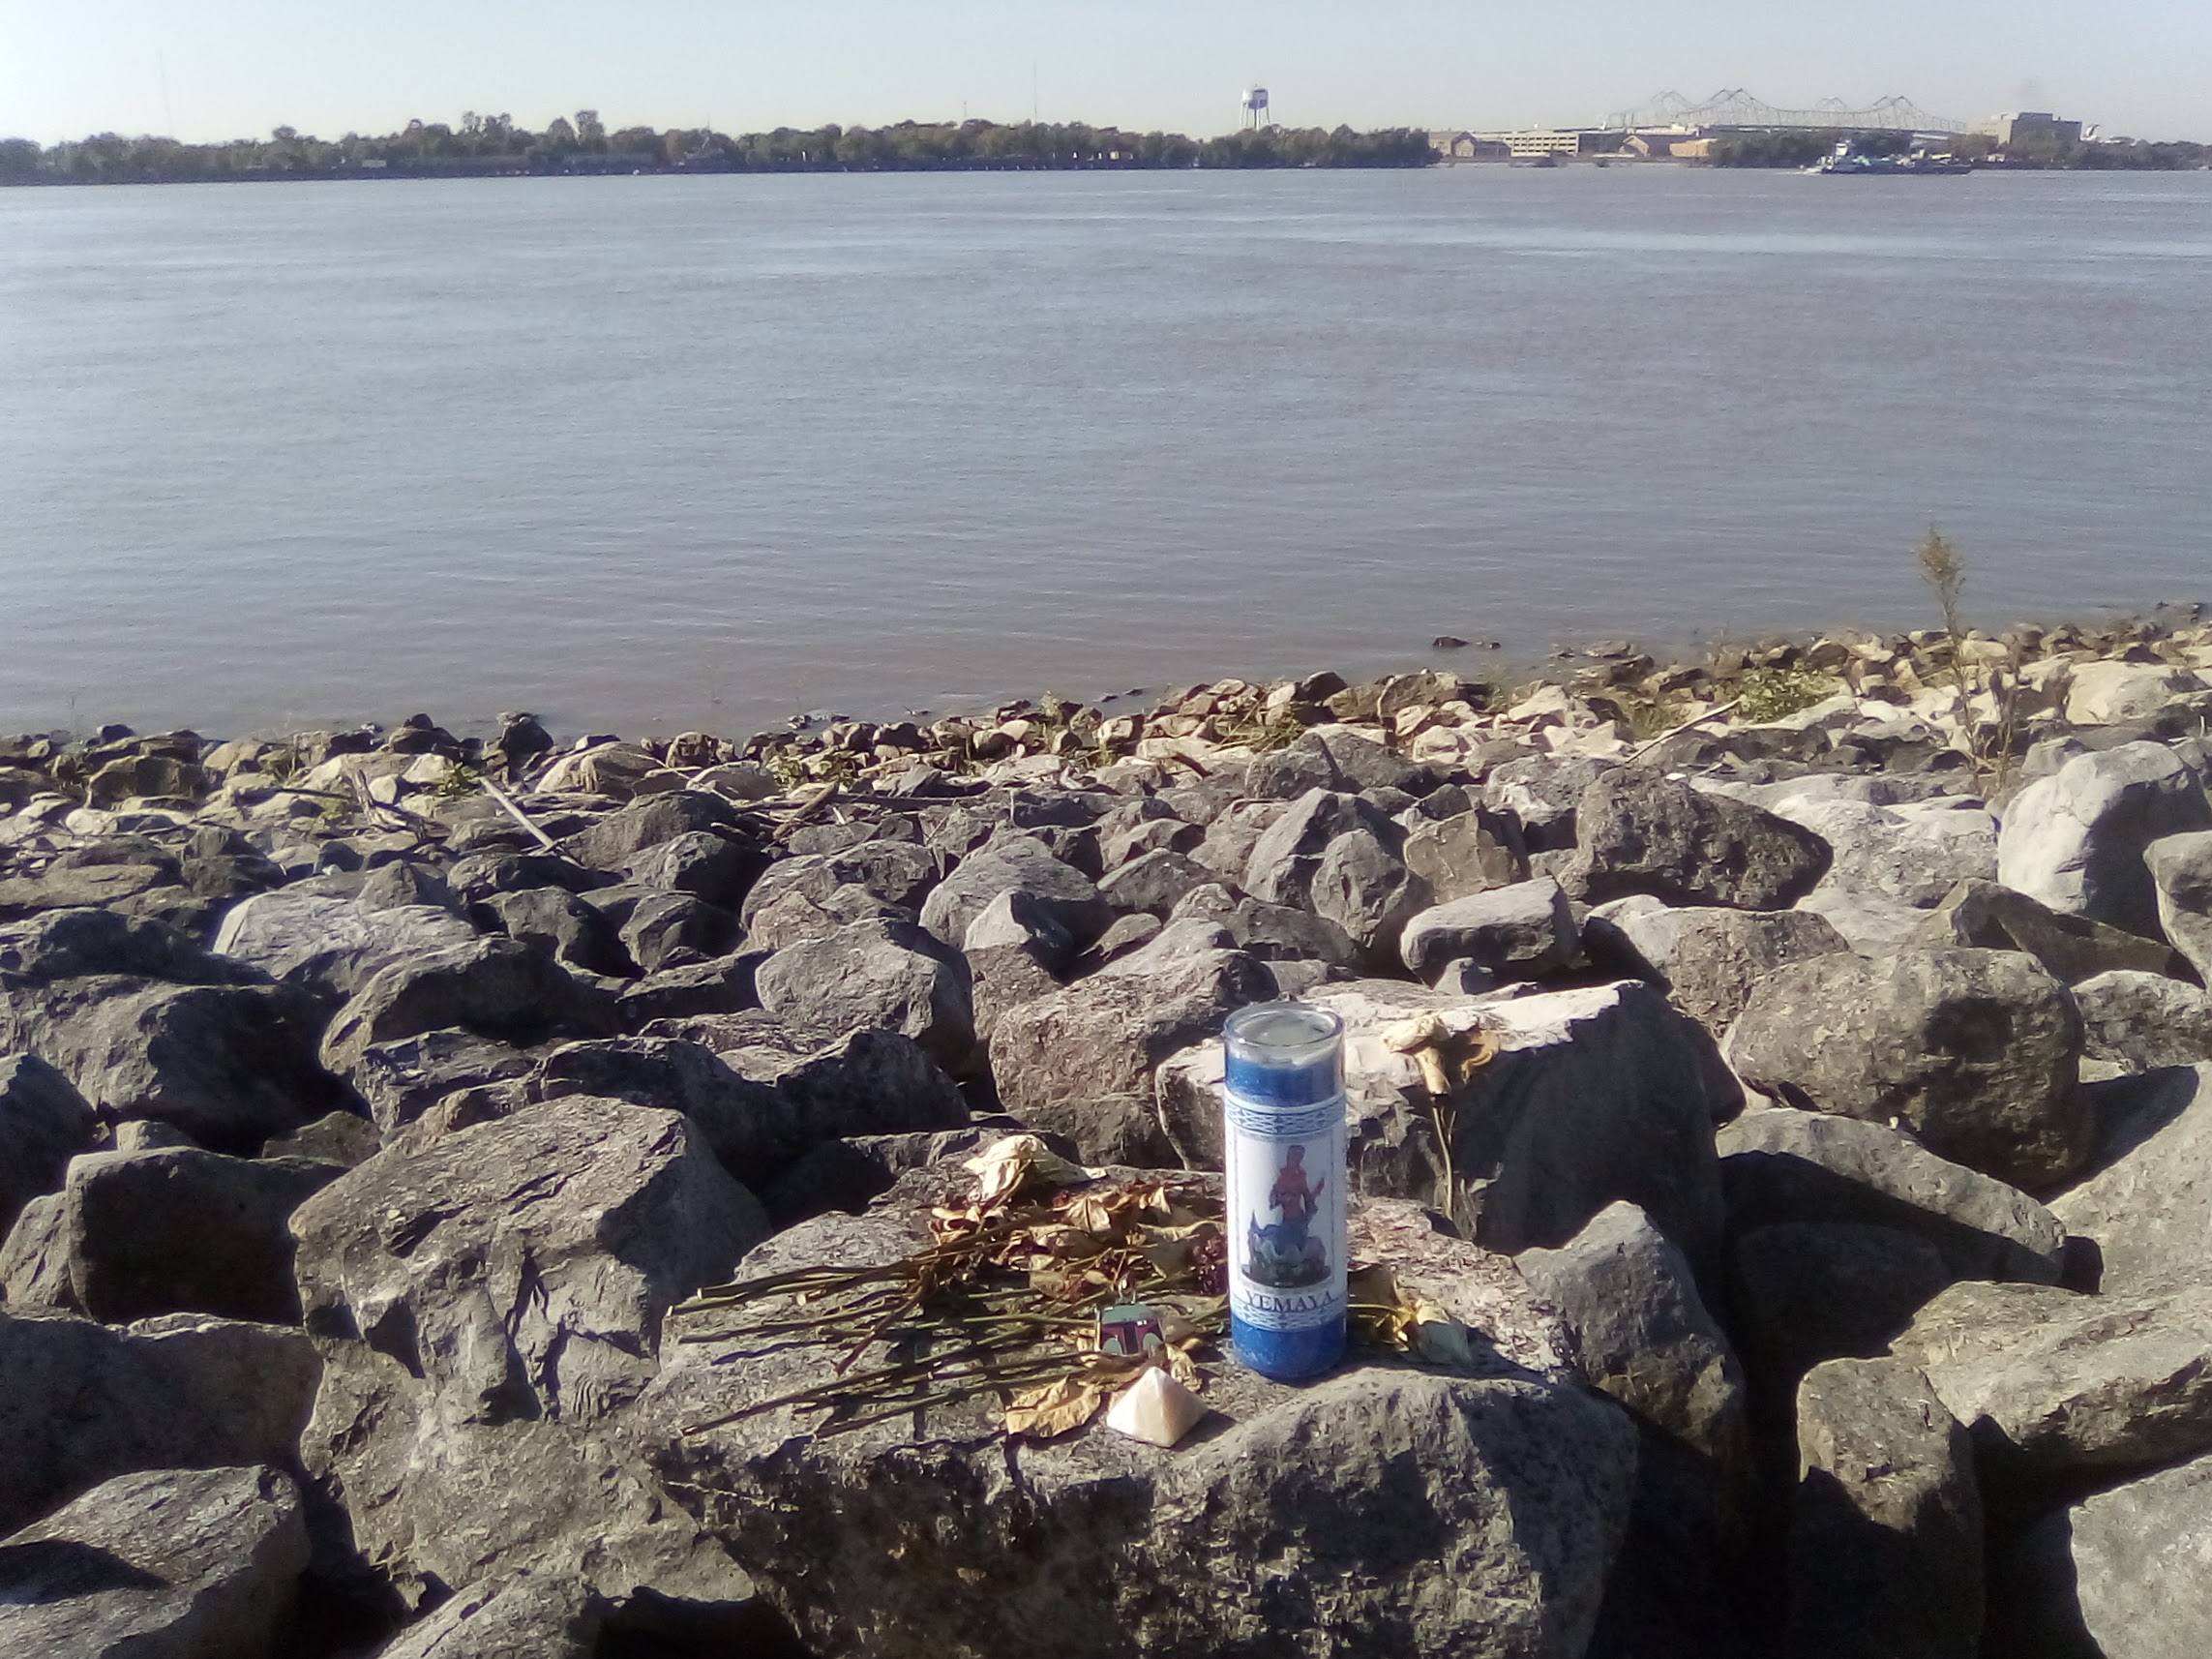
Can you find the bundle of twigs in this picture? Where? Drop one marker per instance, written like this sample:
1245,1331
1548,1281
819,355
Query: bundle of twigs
1003,1300
1006,1297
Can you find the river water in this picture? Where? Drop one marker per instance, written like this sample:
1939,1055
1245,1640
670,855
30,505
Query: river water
652,453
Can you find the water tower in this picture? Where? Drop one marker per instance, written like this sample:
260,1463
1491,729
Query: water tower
1255,104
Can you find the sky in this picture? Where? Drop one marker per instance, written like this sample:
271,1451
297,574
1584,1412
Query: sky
221,69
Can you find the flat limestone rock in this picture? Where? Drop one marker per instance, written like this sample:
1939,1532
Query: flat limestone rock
1426,1510
537,1615
1781,1165
172,1565
482,1306
332,946
84,1401
2149,1204
2055,1384
2120,1573
1915,855
1986,917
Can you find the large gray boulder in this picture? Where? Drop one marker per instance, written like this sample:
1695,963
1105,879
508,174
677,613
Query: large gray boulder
796,914
1779,1165
172,1564
170,1231
892,975
1271,933
482,1305
44,1123
1145,825
1333,758
2075,839
1362,886
1466,853
555,922
1428,1511
332,946
229,1065
86,1402
1986,917
1016,952
1914,854
1540,794
1340,856
761,1095
1519,932
1232,833
1152,884
2181,868
66,887
1708,958
1642,1332
73,944
719,984
1885,1537
1640,831
1597,1094
2056,1385
2119,1575
494,987
610,843
671,929
2143,1021
2148,1206
403,1078
1977,1051
1015,863
1059,1058
713,866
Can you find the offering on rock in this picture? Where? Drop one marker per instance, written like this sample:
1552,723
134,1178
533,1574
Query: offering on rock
1284,1144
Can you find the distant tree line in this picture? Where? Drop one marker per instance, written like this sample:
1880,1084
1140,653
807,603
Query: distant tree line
1802,148
493,145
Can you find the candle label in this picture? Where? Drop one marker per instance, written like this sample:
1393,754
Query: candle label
1285,1169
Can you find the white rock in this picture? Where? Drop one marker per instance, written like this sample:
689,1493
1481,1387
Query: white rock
2074,840
1545,703
2105,693
1155,1409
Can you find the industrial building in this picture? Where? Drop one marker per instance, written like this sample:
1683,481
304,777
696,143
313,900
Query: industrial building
1672,128
1522,145
2031,126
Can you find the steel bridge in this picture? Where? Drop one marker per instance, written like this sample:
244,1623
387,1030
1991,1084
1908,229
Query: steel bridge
1736,107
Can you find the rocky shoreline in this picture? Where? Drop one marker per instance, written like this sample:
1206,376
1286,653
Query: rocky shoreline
1790,1074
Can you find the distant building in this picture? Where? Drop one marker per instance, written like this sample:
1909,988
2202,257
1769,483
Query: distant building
1465,146
2030,127
1667,147
1529,143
